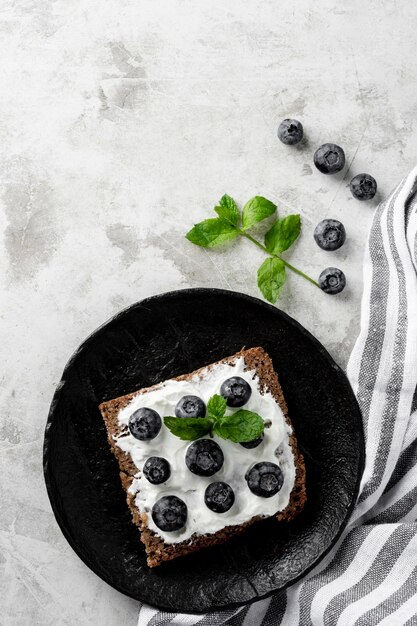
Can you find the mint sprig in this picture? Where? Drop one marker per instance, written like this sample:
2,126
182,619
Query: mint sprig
231,223
240,427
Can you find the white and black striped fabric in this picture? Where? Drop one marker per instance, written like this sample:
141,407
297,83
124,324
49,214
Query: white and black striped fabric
370,577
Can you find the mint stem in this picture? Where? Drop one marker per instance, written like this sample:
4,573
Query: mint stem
290,267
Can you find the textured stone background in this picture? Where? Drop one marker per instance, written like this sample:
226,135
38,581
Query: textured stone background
122,122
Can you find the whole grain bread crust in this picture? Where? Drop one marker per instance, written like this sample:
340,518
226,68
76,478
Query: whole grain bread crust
156,549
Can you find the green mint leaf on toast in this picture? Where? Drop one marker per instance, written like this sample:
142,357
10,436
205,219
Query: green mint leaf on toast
271,277
227,210
188,428
211,233
216,407
282,234
240,427
256,210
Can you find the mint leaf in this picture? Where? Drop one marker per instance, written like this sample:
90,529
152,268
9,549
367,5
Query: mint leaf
283,234
256,210
240,427
211,233
216,407
188,428
271,277
228,210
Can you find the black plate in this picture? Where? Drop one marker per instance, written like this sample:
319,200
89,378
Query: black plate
162,337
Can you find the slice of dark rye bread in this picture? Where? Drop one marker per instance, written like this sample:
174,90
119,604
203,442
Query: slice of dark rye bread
156,549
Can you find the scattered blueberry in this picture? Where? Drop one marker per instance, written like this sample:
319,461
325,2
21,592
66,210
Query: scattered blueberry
329,158
190,406
363,187
265,479
236,391
204,457
252,444
145,424
330,234
169,513
219,497
157,470
290,132
332,280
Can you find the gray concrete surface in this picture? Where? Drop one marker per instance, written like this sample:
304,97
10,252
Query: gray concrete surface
122,123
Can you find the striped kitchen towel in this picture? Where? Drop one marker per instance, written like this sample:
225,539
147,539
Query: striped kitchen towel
370,577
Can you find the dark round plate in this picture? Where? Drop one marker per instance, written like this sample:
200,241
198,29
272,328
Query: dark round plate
162,337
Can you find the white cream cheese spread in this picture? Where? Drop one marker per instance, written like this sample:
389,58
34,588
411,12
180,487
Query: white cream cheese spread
190,487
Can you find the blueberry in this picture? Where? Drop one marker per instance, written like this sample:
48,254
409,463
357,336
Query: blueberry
290,132
145,424
265,479
219,497
236,391
363,187
169,513
329,158
190,406
252,444
157,470
332,280
204,457
330,234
